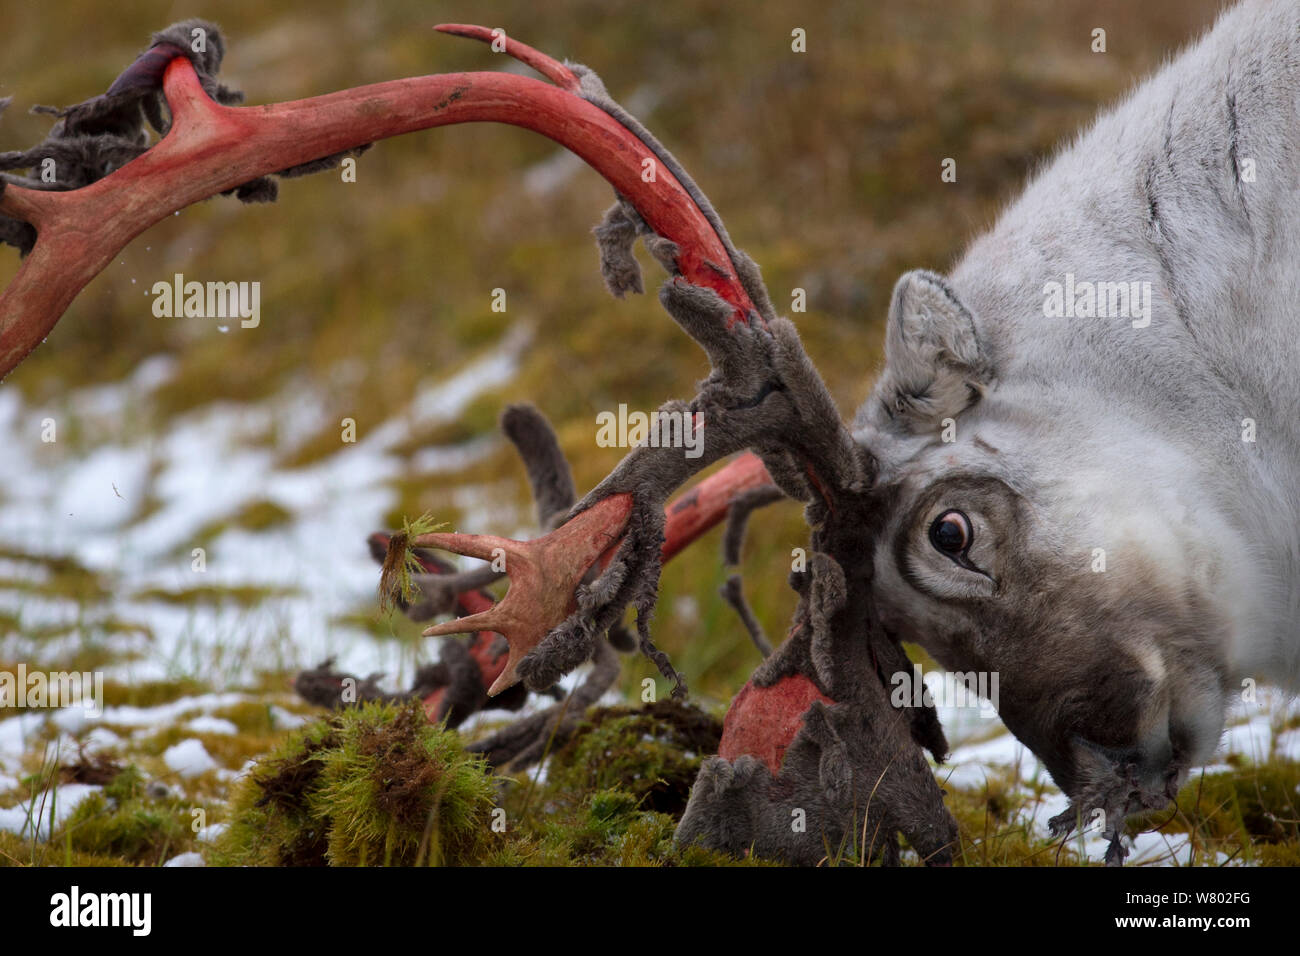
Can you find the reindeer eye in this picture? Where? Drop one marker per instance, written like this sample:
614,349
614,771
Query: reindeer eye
951,533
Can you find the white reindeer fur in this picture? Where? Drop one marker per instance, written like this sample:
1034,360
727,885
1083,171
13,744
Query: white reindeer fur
1113,436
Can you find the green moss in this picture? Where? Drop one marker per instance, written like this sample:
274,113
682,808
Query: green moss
259,515
454,432
150,693
401,562
385,626
250,716
399,790
610,829
1251,812
374,785
270,819
318,446
17,851
1273,854
122,822
651,754
380,785
60,577
230,750
598,804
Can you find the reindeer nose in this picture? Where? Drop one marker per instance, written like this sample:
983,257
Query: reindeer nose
1147,763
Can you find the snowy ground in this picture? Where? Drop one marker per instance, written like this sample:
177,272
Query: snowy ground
127,504
983,747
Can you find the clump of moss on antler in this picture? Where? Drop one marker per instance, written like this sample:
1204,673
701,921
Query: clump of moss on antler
395,585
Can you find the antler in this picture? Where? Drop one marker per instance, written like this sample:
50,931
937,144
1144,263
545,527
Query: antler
763,394
715,291
212,149
543,575
545,571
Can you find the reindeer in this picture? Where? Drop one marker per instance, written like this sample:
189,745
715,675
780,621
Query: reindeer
814,729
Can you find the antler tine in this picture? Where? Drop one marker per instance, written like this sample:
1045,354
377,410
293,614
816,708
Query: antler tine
549,67
492,619
482,546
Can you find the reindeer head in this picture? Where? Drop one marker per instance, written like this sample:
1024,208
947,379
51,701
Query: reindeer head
1037,531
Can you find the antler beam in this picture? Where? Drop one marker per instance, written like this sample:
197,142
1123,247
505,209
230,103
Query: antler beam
212,148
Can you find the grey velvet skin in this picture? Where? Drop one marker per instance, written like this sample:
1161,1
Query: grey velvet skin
824,805
1131,478
94,138
854,777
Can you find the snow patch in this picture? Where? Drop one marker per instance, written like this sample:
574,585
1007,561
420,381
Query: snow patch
189,758
186,859
46,811
211,725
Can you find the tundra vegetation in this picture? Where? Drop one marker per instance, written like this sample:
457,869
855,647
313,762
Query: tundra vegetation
826,166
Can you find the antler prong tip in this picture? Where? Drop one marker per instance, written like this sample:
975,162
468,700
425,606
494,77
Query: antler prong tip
507,679
548,66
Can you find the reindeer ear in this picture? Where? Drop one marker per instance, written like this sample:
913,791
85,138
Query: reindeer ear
934,368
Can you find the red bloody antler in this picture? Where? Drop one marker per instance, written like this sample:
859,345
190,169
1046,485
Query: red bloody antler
212,148
544,571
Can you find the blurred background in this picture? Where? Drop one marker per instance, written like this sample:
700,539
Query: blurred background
177,434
